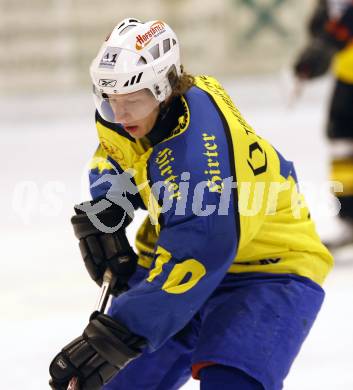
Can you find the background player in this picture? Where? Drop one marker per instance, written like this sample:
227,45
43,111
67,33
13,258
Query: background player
331,42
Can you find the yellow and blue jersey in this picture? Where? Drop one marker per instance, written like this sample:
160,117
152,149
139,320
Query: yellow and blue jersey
220,199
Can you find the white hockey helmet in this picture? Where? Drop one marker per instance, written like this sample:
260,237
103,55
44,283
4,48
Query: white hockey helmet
136,57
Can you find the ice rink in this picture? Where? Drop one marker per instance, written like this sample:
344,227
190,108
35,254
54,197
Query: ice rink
46,295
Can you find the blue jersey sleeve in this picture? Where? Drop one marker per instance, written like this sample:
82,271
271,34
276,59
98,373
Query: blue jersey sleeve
197,242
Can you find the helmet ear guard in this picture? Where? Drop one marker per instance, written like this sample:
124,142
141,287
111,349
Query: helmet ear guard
138,56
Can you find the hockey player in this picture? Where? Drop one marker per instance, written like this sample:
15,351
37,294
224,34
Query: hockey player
331,42
227,282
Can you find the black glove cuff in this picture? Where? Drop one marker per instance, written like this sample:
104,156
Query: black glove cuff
94,358
113,341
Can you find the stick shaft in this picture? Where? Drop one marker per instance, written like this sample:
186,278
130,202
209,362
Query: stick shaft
104,291
100,306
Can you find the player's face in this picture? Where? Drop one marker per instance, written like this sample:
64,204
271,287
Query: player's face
137,112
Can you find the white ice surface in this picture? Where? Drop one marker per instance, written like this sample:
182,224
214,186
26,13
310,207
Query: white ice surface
46,296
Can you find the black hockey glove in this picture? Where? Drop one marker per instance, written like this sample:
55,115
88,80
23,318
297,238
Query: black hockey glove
104,348
314,60
333,35
101,250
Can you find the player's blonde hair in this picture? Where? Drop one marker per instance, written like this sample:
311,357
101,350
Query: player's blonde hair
183,83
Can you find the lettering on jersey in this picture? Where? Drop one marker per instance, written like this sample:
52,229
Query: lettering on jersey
217,89
163,160
254,147
213,173
142,40
260,262
270,261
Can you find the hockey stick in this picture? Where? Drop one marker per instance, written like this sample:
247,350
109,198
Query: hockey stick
296,93
291,86
101,306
